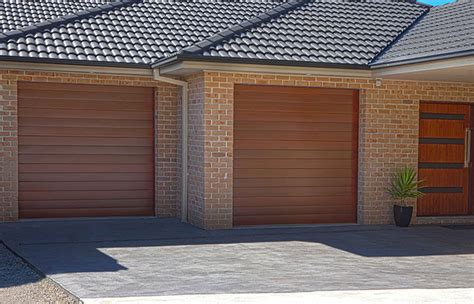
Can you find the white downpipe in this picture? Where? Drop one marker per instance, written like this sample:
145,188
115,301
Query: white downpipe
184,139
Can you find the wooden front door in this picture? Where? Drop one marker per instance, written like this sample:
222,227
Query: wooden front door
444,159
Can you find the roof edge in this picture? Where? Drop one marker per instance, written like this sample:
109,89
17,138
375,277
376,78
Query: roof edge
194,57
64,19
75,62
401,35
423,59
238,28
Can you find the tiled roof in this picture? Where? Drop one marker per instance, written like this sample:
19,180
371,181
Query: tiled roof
136,34
321,31
15,14
353,33
445,30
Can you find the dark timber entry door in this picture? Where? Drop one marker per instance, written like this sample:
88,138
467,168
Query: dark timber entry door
444,159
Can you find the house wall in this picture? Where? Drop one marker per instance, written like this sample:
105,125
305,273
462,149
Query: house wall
388,136
166,134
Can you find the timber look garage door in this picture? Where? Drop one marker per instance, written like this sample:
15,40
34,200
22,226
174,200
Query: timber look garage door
85,150
295,155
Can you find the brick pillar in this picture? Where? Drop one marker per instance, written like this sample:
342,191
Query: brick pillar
8,148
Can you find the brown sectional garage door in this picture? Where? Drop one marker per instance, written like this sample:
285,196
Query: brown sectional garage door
85,150
295,155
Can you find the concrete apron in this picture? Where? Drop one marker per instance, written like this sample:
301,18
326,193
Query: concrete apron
387,296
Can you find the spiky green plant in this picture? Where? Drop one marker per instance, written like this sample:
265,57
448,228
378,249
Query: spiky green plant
404,185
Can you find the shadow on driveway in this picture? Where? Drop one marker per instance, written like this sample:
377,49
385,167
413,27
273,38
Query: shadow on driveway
155,257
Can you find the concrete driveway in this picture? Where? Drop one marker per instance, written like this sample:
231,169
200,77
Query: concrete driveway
149,260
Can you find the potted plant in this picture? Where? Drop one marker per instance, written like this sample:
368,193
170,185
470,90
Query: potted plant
403,188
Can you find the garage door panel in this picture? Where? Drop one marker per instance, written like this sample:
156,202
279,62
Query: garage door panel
299,107
293,135
81,150
81,88
108,168
88,204
85,150
67,103
84,195
292,126
86,185
294,210
299,95
291,182
87,114
28,140
282,163
292,145
291,116
293,191
87,212
292,90
86,132
259,173
293,201
85,159
85,123
78,177
295,155
295,219
85,95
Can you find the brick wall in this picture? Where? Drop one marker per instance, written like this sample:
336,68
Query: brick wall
166,134
196,137
388,135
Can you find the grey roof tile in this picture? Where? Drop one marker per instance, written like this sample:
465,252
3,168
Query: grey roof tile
444,30
172,24
16,14
341,31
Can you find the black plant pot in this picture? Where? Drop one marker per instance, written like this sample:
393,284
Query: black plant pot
402,215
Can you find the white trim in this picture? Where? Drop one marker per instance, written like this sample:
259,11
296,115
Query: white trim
190,67
467,61
12,65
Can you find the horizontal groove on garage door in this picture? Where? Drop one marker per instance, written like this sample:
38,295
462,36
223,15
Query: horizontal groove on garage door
85,150
295,155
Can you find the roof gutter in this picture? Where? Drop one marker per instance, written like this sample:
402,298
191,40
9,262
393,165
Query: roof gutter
184,138
182,57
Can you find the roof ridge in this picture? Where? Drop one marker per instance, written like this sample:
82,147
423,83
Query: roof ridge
399,36
64,19
241,27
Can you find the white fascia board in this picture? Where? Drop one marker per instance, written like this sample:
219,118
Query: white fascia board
12,65
190,67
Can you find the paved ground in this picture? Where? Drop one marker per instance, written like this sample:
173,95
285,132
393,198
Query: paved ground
152,258
21,284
